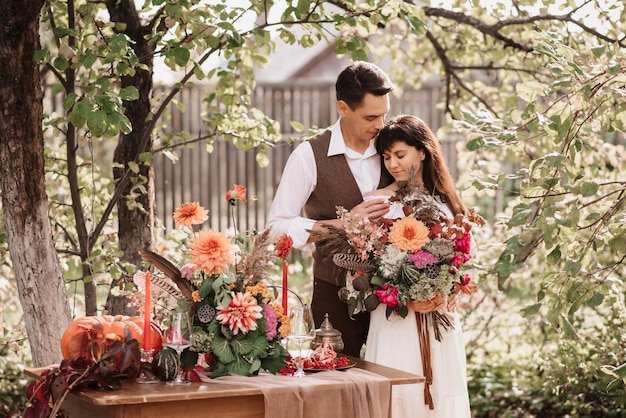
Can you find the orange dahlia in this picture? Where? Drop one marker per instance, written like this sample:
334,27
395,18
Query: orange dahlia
285,242
237,193
189,214
241,314
211,251
408,234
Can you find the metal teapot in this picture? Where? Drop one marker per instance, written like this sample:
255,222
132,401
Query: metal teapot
327,334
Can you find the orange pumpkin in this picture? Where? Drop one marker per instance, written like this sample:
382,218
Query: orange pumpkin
105,327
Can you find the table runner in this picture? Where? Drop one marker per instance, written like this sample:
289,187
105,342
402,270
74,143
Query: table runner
353,393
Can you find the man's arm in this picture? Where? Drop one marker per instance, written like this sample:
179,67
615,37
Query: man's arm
297,182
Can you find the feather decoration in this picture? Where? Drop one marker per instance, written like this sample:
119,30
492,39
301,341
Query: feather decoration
331,240
160,287
352,262
170,270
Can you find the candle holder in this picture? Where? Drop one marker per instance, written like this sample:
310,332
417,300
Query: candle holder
145,373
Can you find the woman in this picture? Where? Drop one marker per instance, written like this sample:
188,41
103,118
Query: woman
406,142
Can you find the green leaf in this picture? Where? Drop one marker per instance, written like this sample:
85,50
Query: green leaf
239,366
60,63
273,364
589,189
531,310
595,300
255,366
262,159
296,126
521,215
88,59
417,26
530,90
97,123
572,268
129,93
598,51
124,124
134,167
555,255
69,101
181,56
41,56
475,144
567,327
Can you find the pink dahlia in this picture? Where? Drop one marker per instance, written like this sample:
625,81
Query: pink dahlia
241,314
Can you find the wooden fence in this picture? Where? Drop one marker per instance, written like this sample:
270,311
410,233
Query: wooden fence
205,177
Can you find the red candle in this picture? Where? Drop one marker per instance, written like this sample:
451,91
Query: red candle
285,286
147,326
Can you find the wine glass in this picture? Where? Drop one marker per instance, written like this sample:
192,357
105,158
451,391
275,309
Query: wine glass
302,329
177,337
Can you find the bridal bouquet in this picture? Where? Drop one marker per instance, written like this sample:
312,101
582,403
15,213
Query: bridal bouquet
417,257
224,284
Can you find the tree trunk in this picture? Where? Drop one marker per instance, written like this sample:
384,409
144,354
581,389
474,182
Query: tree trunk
40,283
135,225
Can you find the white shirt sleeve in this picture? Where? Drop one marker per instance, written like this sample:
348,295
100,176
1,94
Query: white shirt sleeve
297,182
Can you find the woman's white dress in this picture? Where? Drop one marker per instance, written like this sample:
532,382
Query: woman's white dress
394,342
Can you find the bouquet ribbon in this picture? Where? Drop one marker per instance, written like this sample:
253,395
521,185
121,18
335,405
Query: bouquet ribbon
424,337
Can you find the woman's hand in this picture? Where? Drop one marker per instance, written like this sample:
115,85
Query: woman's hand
373,209
452,303
432,305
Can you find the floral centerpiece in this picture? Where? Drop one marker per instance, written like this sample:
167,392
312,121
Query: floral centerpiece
224,284
418,257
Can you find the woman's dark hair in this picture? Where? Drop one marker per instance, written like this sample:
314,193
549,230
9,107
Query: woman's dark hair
415,132
358,79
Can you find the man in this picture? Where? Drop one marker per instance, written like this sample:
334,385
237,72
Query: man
337,167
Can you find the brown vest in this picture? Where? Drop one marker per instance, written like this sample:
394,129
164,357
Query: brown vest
335,187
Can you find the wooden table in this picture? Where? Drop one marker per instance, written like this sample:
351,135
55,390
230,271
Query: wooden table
198,400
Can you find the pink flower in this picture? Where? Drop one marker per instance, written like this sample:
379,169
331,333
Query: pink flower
188,270
464,244
271,322
388,295
422,258
241,314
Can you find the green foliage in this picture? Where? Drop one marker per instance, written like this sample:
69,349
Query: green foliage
12,381
570,203
519,365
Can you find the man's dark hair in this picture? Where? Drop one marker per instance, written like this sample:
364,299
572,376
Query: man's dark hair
358,79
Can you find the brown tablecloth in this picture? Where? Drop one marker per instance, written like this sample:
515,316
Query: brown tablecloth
353,393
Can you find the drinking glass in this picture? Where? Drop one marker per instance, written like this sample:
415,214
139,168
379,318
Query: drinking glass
302,329
177,337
